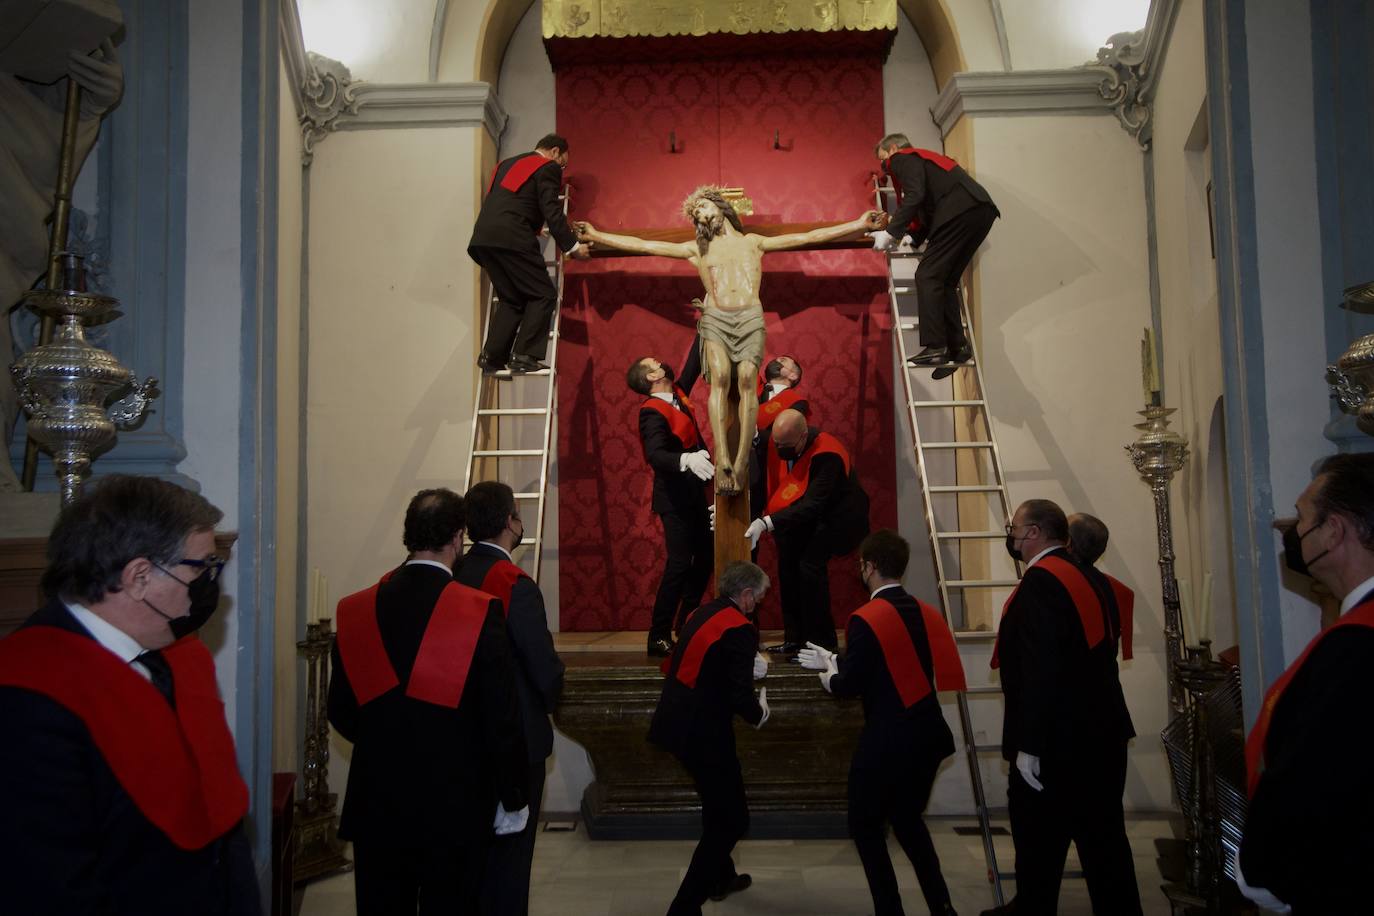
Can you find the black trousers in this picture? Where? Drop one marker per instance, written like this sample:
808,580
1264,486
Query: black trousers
691,557
527,297
804,581
1081,803
937,276
506,883
393,879
894,788
724,821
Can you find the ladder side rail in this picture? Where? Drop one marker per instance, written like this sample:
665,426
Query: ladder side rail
550,398
482,379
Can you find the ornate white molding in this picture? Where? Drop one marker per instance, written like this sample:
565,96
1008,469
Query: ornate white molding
397,105
1018,92
1130,64
330,95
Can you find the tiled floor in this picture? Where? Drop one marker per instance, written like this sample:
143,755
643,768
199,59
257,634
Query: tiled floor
575,876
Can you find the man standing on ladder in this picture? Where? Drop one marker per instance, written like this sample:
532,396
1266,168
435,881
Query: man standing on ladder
522,197
939,201
898,652
1065,725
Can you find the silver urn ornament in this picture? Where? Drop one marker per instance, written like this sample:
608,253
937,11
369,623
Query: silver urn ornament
1351,379
66,386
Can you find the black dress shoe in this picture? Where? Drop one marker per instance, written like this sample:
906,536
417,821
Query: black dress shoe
1006,909
734,885
522,364
930,356
961,355
660,647
490,365
786,648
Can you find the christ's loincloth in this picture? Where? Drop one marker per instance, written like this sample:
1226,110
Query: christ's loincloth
740,332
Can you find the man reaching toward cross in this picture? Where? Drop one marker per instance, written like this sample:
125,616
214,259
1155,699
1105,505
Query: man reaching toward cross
730,262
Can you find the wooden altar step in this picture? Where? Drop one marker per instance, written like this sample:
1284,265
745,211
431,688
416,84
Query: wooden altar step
795,768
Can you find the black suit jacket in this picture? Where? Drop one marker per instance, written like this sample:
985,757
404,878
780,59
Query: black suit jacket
421,773
1307,834
513,219
675,489
72,841
758,462
832,496
930,195
540,682
890,729
698,721
1061,698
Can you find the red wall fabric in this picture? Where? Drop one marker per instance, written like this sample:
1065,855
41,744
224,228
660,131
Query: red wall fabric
827,309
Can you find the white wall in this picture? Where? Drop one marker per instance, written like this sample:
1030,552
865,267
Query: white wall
382,42
214,292
1045,34
526,88
909,88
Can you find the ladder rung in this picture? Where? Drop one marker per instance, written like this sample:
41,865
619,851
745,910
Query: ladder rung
525,542
904,289
966,488
975,635
950,445
914,325
927,404
970,535
508,453
512,412
983,691
981,583
531,495
987,748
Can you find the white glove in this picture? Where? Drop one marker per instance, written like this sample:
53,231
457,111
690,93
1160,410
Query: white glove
755,530
699,463
763,702
1260,895
512,822
1029,767
882,240
815,657
712,510
760,666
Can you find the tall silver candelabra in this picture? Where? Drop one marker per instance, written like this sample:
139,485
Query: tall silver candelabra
318,848
1158,453
66,385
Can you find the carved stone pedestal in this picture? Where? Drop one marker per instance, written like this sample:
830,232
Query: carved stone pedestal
795,768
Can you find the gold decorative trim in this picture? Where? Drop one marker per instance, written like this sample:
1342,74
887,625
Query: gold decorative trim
659,18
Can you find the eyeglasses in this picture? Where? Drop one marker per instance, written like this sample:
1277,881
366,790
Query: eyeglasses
210,567
1011,529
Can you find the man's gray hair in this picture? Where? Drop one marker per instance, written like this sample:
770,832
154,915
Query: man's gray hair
898,140
738,576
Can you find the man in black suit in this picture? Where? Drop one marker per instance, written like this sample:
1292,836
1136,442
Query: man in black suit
1307,839
122,791
781,377
521,198
816,510
1065,725
898,652
710,681
676,452
495,526
424,687
939,201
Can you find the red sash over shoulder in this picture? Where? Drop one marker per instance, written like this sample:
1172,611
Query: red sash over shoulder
500,581
786,487
1081,592
702,638
682,422
940,161
911,678
178,766
1361,615
519,172
1125,603
769,409
446,650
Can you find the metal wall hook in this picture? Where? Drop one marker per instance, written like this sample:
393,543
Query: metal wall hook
777,144
672,141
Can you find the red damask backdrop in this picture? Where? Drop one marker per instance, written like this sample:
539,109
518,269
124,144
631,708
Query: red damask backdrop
827,309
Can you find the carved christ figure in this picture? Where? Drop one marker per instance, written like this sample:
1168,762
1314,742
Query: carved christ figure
731,327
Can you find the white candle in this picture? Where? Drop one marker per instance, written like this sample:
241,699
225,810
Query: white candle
1205,631
1185,606
313,599
324,599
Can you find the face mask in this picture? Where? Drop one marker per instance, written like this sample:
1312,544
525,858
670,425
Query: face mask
519,535
863,580
787,452
204,593
1292,549
1012,550
668,372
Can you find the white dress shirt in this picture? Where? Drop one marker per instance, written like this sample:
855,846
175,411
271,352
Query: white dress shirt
111,637
429,563
498,547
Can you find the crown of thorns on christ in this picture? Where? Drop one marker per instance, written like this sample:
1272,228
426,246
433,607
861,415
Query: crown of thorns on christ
715,195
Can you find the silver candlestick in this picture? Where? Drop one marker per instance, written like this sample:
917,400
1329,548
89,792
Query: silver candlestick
1158,453
66,385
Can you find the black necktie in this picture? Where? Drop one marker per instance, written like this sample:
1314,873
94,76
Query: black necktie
161,673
